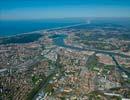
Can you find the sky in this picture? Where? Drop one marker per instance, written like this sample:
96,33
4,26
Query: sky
42,9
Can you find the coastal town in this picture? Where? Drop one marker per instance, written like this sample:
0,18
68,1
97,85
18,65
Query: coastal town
81,62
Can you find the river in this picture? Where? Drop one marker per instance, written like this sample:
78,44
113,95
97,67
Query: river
59,41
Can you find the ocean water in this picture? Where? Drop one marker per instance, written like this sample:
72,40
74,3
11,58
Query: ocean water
8,28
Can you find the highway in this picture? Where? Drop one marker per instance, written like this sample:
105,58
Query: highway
121,68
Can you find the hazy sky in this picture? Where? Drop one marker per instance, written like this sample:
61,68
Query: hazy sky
39,9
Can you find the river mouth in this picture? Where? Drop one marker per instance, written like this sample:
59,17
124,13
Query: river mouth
58,39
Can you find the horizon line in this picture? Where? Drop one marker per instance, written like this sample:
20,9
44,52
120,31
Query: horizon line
64,18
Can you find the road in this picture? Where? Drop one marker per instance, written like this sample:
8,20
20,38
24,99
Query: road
121,68
46,82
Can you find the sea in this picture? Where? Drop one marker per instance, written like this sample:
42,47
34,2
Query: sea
14,27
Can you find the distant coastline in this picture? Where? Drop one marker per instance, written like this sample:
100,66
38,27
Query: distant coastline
29,36
55,24
14,27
